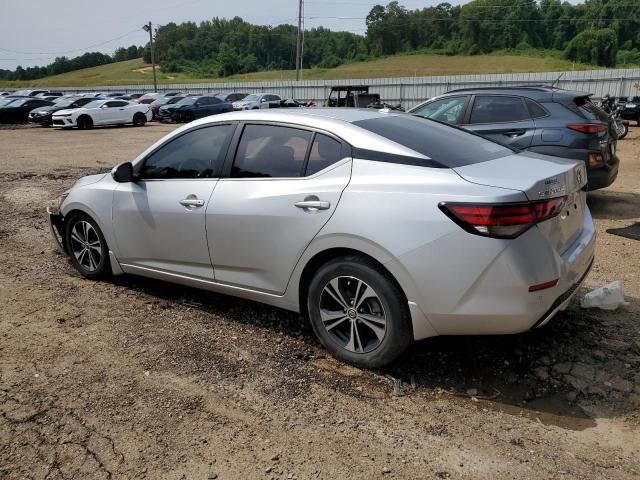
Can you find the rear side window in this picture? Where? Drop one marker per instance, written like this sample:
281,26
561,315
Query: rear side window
446,146
498,109
196,154
325,151
535,110
271,151
446,110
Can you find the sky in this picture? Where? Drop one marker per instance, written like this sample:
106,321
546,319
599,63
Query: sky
35,32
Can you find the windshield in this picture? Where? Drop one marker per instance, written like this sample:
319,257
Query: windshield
19,101
22,92
449,146
64,102
94,104
186,101
174,100
251,98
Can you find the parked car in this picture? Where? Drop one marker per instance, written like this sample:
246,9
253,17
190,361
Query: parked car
381,228
231,97
18,110
135,96
50,93
190,108
630,110
103,112
29,93
148,97
4,94
44,115
542,120
158,102
258,100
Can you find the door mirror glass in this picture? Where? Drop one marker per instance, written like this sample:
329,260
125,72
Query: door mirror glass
123,173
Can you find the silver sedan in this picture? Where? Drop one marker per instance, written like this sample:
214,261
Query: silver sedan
380,228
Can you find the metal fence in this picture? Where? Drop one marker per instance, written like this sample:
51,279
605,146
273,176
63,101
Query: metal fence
409,91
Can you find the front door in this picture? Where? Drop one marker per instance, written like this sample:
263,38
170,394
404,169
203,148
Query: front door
284,185
502,118
159,220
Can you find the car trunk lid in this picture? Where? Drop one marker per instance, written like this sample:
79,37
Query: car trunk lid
539,177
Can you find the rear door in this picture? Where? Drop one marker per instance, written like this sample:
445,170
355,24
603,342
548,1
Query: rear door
502,118
283,184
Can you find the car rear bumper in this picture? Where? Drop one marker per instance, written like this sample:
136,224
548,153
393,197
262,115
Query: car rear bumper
484,289
604,176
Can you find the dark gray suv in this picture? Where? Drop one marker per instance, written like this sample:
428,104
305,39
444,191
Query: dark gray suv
544,120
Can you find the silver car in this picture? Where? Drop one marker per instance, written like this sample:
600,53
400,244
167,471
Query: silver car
257,101
380,228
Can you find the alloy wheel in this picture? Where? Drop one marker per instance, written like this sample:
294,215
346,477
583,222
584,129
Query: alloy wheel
353,315
86,245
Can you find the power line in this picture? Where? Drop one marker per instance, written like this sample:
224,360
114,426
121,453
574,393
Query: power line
74,50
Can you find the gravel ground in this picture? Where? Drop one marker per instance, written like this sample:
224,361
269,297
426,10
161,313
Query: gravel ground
134,378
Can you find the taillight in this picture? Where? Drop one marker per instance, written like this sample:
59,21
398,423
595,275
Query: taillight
587,127
502,220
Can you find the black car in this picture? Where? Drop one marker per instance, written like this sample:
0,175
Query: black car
18,110
544,120
630,109
42,115
190,108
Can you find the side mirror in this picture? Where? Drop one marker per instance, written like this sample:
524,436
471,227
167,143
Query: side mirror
123,173
262,100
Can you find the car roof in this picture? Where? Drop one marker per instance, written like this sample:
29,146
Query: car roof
338,121
540,93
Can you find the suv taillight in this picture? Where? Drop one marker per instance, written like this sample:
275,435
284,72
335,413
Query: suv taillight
587,127
502,220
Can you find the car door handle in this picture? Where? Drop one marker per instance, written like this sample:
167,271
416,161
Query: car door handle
314,204
514,133
192,202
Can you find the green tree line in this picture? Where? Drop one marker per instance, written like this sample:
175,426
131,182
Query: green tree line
64,64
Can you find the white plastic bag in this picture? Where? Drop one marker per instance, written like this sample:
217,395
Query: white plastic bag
607,297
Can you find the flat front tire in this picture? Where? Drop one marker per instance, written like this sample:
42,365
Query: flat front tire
87,246
358,312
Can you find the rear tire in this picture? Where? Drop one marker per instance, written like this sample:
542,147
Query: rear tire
358,312
139,120
85,122
87,247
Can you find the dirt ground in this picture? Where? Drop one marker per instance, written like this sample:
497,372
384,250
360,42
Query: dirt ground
134,378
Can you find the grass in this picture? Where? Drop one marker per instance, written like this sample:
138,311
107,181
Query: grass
406,65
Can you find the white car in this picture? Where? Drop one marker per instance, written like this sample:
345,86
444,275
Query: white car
103,112
258,100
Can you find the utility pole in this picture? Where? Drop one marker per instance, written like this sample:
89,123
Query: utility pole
299,42
149,28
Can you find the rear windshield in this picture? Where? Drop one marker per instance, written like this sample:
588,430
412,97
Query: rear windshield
449,146
590,110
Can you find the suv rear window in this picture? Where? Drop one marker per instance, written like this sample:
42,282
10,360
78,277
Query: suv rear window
449,146
590,110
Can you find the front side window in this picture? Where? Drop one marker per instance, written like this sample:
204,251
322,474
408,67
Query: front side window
196,154
448,110
498,109
325,151
271,151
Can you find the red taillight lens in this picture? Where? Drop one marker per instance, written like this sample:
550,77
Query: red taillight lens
587,127
502,220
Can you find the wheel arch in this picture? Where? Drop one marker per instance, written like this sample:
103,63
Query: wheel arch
323,250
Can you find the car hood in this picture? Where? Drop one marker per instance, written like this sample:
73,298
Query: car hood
49,109
88,180
67,111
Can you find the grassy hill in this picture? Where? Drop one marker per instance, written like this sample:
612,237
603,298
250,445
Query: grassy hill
137,72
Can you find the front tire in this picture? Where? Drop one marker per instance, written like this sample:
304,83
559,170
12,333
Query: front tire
188,116
87,247
85,122
139,120
358,312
